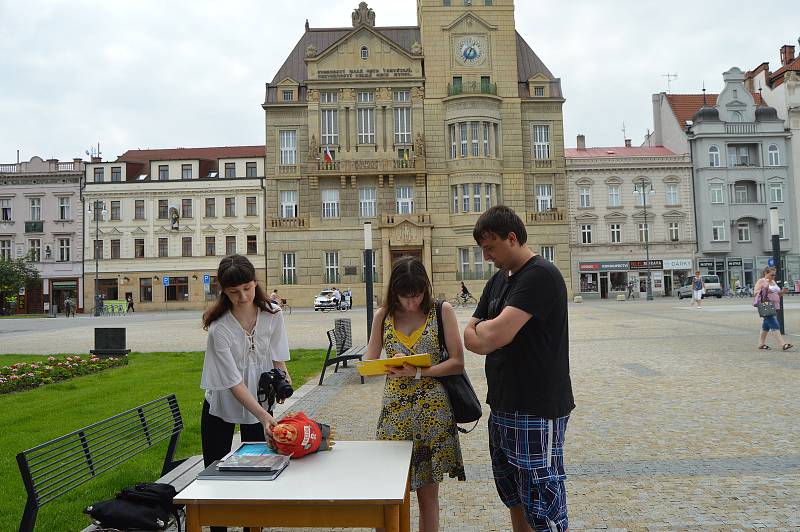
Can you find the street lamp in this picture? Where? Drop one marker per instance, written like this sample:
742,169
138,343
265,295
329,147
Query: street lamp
644,192
774,223
99,211
368,273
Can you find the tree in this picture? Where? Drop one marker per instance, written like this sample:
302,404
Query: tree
14,275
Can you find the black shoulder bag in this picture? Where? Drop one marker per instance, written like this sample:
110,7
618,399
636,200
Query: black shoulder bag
463,400
146,506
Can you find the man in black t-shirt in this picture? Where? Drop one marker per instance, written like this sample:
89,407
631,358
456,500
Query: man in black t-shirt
521,326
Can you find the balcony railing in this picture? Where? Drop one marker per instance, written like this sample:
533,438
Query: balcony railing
553,216
542,163
361,166
740,129
8,168
65,167
288,223
34,227
474,275
288,169
471,87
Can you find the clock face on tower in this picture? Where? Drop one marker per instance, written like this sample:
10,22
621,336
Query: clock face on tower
470,50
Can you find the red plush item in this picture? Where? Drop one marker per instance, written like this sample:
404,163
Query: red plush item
296,435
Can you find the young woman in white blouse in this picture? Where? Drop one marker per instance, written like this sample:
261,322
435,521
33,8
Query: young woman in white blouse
246,337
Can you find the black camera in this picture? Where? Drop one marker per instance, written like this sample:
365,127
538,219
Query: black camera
272,387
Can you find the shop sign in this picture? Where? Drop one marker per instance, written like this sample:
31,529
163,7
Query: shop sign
604,266
705,263
734,263
677,264
655,264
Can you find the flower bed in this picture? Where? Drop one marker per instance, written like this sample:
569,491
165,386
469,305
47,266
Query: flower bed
26,375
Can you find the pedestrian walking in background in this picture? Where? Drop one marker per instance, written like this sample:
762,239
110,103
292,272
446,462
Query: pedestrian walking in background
521,326
415,403
698,290
130,308
768,290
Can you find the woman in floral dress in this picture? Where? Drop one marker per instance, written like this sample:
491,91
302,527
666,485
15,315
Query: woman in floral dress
415,404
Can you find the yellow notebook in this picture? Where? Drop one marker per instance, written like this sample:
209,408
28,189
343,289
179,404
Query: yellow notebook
378,366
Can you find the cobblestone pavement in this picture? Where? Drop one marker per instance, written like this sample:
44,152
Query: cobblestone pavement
681,423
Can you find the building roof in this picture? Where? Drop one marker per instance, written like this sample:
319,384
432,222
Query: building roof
684,106
211,153
618,151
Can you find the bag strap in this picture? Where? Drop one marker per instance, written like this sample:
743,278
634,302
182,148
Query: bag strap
465,431
440,327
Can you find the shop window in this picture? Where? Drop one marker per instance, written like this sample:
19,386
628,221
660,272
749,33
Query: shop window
589,283
178,289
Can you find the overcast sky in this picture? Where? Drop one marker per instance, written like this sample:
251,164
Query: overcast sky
162,73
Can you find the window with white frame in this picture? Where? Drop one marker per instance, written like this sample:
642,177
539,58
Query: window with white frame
330,126
402,125
288,204
717,193
366,117
288,96
613,196
453,141
465,198
541,142
405,200
331,267
477,261
5,249
776,192
186,171
781,228
586,233
64,208
615,233
585,195
718,230
713,156
289,268
476,197
774,156
367,202
486,128
740,193
642,194
330,203
548,252
674,231
35,212
644,232
544,197
374,266
464,261
464,144
35,249
327,97
5,210
288,146
743,231
401,96
64,249
475,138
454,189
672,194
488,188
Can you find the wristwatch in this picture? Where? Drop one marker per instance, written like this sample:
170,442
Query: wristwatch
418,376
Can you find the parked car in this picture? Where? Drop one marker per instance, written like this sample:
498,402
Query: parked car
324,300
713,287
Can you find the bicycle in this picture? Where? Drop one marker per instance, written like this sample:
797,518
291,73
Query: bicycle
285,306
462,300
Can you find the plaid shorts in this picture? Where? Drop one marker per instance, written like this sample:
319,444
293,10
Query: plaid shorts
528,465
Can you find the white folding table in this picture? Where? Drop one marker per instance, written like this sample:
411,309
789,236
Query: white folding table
356,484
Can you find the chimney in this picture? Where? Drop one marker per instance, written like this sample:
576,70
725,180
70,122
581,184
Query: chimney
627,143
787,54
581,142
96,159
77,163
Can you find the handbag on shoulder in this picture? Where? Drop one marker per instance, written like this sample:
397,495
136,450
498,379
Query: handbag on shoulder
463,400
766,308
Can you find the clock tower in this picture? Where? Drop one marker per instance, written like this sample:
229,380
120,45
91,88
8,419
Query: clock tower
494,133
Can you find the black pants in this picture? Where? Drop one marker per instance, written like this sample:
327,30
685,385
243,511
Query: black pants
216,435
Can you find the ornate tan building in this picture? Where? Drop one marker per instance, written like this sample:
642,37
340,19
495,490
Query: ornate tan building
417,130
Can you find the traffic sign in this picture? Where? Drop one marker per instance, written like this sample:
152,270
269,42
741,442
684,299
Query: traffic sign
206,279
771,262
166,280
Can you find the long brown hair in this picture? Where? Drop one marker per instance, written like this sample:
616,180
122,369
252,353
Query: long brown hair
234,270
408,278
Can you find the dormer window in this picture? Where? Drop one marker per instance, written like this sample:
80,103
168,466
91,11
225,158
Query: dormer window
364,53
538,90
288,96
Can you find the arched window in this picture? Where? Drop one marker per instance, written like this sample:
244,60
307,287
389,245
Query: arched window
713,156
737,116
364,52
774,155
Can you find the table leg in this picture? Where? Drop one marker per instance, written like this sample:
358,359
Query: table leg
391,517
192,518
405,511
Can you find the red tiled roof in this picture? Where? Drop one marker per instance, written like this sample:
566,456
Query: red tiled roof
776,78
622,151
171,154
684,106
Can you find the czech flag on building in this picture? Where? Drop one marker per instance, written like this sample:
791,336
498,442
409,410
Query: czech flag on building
328,155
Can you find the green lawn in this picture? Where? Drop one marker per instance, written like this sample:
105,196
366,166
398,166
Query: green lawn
36,416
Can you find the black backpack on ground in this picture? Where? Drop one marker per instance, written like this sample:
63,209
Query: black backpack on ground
145,506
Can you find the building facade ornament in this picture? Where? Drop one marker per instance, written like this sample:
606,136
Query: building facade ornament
312,95
419,145
311,51
363,15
